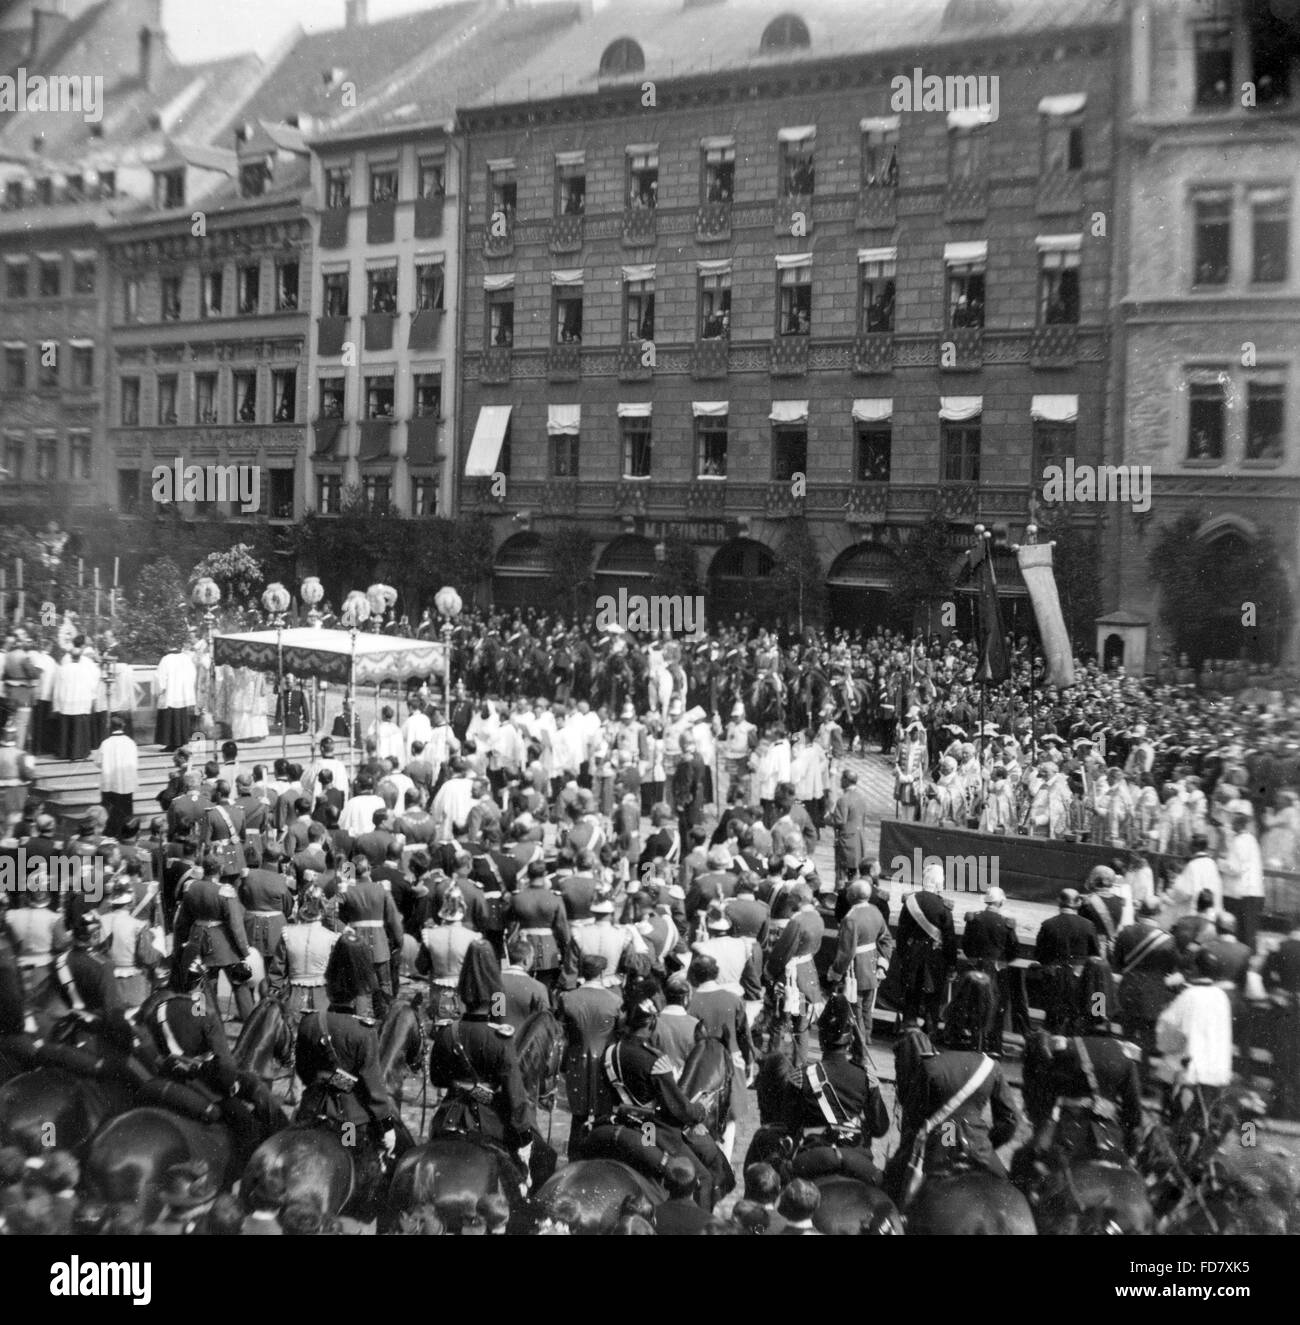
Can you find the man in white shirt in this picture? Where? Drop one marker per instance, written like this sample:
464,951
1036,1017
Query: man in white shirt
337,768
442,743
773,767
119,777
177,683
1243,879
567,749
1199,873
417,728
387,736
452,804
1194,1033
359,813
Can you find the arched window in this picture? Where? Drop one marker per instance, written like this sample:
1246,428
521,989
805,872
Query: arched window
784,33
623,56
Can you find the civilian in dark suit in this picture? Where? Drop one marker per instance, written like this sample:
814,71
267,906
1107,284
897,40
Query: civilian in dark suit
1065,942
679,1215
990,941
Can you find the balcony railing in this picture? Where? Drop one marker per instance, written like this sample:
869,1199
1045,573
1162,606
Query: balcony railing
639,228
632,366
1059,192
711,357
1054,347
968,346
565,234
564,363
379,331
713,222
499,235
331,336
334,227
496,364
873,352
789,356
877,206
380,222
793,214
966,200
428,216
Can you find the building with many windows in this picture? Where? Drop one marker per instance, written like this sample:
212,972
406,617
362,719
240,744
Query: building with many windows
1209,373
385,311
65,177
723,273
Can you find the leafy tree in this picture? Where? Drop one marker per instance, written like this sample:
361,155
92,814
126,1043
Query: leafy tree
798,580
155,616
1204,586
925,570
236,570
569,551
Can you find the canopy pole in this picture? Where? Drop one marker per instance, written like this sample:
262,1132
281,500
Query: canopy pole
284,698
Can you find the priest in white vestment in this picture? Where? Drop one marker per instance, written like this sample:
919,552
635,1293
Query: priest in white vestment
177,686
76,692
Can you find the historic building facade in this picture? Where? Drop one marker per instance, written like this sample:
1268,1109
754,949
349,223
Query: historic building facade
1209,372
208,325
709,297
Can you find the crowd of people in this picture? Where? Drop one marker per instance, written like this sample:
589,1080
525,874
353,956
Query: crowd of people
583,835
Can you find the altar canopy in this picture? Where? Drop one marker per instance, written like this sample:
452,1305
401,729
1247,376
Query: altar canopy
327,654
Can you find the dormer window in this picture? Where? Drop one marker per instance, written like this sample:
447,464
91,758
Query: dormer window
622,57
169,188
785,33
254,179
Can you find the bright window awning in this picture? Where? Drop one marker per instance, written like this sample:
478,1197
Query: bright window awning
873,411
1054,409
789,411
957,409
800,133
975,250
785,261
635,409
492,284
489,433
1058,243
709,409
880,123
970,117
889,254
642,272
563,420
568,278
1068,103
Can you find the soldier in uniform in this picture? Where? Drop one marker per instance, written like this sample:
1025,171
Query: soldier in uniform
37,932
537,914
85,982
989,940
268,903
864,942
601,938
640,1091
17,771
184,1040
967,1090
474,1060
211,910
1083,1097
301,957
589,1015
1065,942
790,968
927,949
721,1014
524,995
337,1061
443,947
838,1100
371,911
129,946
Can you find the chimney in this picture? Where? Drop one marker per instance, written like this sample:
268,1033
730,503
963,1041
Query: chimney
356,13
47,27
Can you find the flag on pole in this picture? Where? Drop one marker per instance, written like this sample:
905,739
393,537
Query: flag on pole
994,665
1035,561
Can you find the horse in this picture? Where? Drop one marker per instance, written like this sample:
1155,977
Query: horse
707,1080
401,1046
967,1203
267,1038
849,1207
313,1163
766,702
48,1107
129,1156
1094,1196
598,1188
540,1050
452,1173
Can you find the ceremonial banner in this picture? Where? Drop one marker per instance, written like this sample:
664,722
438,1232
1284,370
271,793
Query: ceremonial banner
994,665
1036,566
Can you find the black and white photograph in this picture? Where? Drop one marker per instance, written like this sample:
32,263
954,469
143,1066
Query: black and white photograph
650,617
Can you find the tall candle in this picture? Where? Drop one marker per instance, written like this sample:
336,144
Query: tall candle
19,568
97,596
81,574
96,577
114,572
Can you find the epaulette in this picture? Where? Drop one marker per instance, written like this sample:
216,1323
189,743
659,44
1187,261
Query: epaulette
228,890
1058,1043
1131,1050
502,1028
366,1021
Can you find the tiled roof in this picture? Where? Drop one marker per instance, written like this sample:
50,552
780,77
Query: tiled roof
459,71
367,58
680,42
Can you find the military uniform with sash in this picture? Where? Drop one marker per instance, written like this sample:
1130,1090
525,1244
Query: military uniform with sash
927,952
538,915
474,1060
